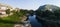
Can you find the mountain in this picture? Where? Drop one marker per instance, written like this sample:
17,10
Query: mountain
48,7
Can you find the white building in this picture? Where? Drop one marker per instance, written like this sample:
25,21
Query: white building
3,8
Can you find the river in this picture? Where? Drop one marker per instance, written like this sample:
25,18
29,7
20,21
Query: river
34,21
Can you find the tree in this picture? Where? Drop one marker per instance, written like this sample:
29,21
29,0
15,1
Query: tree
8,11
38,12
31,12
53,17
24,12
57,13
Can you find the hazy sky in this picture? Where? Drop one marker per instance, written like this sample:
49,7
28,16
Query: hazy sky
30,4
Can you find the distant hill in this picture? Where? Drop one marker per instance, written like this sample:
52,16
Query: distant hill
48,7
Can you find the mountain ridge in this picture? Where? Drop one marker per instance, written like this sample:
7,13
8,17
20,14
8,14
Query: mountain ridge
48,7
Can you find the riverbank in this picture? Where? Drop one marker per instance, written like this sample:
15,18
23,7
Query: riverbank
11,21
24,22
48,23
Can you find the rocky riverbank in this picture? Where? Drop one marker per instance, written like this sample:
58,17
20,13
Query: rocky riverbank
24,22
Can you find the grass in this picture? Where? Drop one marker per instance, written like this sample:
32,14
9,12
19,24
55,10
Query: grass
6,25
9,21
12,18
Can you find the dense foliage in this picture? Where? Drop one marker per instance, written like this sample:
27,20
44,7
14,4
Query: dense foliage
52,15
8,11
50,12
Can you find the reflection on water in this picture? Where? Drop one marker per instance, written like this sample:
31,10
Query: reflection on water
34,22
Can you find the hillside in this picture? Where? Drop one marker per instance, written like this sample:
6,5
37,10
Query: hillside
48,7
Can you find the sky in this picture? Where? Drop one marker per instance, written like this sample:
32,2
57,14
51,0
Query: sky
30,4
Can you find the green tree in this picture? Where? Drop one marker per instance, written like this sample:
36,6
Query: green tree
31,12
24,12
39,12
57,13
52,17
8,11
